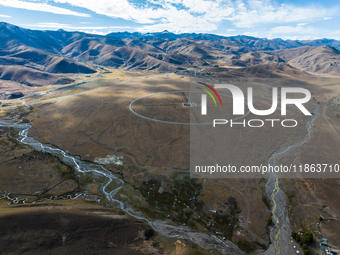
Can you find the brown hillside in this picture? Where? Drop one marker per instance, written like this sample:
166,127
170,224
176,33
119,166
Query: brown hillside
325,60
269,70
31,77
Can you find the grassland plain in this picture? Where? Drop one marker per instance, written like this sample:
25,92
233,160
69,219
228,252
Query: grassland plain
36,217
97,123
91,119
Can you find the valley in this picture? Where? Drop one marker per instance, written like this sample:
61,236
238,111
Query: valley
76,107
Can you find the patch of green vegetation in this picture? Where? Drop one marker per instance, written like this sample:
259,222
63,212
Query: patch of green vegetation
183,206
180,204
6,104
307,239
294,234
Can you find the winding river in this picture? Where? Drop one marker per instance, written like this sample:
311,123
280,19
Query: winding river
279,234
165,228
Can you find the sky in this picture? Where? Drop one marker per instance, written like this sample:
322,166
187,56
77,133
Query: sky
286,19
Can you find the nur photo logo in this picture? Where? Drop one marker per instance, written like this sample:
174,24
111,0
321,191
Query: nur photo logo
239,102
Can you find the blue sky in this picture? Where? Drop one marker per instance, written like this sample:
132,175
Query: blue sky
287,19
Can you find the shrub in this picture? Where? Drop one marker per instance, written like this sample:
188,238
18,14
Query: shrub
308,237
298,238
270,221
294,234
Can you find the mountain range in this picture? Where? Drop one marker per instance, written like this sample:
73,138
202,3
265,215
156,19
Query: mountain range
37,58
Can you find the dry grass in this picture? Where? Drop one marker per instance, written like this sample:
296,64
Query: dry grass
97,122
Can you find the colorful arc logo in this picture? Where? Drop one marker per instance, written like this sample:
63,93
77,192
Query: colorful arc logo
204,98
213,90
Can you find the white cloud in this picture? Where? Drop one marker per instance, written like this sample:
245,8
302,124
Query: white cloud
327,18
40,7
260,12
230,30
299,37
4,16
294,30
200,15
120,9
189,16
302,24
194,15
227,35
253,34
95,32
70,27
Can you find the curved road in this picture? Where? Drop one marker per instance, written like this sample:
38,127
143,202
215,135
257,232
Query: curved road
176,123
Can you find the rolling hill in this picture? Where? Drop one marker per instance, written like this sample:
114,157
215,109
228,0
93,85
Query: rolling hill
38,54
30,77
324,59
